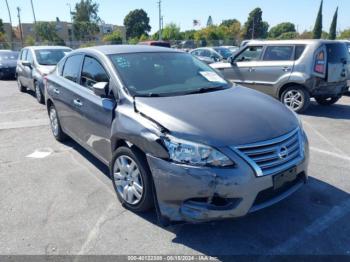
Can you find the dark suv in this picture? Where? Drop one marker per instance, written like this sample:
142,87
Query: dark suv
172,129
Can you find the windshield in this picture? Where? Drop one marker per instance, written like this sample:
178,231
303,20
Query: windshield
50,56
8,56
165,74
224,52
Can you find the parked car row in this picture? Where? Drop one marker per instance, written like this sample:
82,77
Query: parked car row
292,71
181,135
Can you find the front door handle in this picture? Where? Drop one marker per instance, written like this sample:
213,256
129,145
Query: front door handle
56,91
77,103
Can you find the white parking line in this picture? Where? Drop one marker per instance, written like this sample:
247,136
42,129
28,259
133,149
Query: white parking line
322,151
93,234
325,139
24,124
317,227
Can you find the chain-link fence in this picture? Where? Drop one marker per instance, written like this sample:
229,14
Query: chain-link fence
180,44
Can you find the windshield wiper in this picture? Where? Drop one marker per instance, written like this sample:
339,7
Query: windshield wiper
148,95
206,90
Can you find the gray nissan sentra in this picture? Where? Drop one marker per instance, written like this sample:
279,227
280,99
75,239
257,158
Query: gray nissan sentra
175,133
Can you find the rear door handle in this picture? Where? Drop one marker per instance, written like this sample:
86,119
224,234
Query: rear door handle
251,69
56,91
286,69
77,103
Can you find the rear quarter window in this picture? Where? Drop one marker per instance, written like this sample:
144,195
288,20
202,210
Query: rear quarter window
299,50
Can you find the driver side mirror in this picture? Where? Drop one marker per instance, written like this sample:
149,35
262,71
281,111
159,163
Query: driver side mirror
100,89
27,63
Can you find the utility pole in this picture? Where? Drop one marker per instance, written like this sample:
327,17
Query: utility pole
8,10
36,37
160,20
253,31
71,34
19,24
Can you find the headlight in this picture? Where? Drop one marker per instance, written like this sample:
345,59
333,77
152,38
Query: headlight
186,152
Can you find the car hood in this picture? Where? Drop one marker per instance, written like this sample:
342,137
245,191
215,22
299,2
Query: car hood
234,116
47,69
8,63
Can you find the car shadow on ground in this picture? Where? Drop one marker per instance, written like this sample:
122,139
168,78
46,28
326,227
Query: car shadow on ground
336,111
257,232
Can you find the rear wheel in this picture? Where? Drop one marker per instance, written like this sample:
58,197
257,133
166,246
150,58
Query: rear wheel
21,88
327,101
296,98
132,179
38,94
55,125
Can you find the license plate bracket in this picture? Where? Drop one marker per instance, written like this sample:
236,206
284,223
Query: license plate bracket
287,176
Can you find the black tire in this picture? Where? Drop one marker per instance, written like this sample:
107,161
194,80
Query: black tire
38,94
146,201
21,88
303,98
57,133
327,101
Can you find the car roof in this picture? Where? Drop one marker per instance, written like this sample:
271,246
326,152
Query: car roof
128,49
48,47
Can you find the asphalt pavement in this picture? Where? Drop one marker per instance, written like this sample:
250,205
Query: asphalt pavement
58,199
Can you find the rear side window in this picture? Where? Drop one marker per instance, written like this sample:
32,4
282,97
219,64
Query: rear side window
30,57
72,68
337,52
278,53
299,50
92,72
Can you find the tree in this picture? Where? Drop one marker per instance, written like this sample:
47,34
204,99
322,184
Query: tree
306,35
255,27
317,32
229,22
114,38
333,29
47,32
288,35
29,41
2,30
345,34
210,21
278,30
171,32
85,19
137,23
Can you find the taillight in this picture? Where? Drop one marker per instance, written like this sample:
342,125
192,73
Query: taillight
320,63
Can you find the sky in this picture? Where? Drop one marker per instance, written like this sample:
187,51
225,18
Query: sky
182,12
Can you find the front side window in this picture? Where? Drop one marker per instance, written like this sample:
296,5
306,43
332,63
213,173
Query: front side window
251,53
72,67
30,57
278,53
165,74
92,73
24,54
50,56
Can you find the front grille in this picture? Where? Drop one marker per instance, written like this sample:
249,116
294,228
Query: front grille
273,156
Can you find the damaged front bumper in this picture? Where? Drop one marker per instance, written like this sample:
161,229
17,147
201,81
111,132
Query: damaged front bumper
187,193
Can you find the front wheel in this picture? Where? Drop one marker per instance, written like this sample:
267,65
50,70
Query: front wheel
296,98
132,179
327,101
